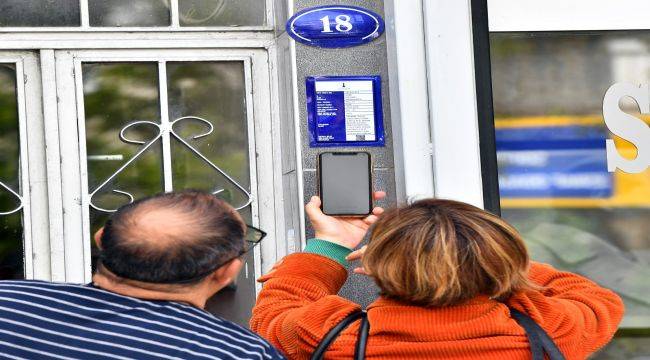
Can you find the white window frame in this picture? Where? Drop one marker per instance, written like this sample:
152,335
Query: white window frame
269,44
51,162
72,121
32,169
173,27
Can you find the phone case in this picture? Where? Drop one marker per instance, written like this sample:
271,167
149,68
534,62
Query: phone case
370,176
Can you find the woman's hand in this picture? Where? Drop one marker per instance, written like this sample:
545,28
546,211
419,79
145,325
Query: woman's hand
358,255
344,231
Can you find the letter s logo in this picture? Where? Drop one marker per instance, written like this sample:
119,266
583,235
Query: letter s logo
628,127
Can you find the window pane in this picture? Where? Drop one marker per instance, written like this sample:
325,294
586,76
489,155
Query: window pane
129,12
549,92
222,12
11,227
215,92
115,96
39,13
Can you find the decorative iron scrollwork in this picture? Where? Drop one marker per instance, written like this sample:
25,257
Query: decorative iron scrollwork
194,17
161,134
20,200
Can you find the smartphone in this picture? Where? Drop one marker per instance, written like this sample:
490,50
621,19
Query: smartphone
345,183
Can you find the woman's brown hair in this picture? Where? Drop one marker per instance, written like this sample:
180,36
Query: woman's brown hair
442,252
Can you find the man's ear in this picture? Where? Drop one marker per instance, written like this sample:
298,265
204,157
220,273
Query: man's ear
228,272
98,237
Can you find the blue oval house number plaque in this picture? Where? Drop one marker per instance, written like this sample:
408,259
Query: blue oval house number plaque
335,26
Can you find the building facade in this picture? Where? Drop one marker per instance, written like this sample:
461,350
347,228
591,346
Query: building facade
508,105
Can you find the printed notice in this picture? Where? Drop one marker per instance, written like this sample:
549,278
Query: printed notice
345,111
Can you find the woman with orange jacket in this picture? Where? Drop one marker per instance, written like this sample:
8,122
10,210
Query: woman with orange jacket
449,273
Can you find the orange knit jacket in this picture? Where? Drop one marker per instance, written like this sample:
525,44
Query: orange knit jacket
298,306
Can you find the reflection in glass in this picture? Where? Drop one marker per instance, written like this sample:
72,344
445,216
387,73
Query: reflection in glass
116,95
122,124
222,12
11,227
129,12
39,13
554,183
214,91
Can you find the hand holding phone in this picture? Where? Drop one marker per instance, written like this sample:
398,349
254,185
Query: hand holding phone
344,231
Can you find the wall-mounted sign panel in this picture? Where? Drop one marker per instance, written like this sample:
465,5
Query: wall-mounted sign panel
553,162
345,111
335,26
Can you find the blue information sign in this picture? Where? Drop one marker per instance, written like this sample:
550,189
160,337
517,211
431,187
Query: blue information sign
345,111
335,26
553,162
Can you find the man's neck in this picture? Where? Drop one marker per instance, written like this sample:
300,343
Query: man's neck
106,280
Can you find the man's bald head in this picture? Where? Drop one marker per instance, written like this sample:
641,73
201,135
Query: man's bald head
170,238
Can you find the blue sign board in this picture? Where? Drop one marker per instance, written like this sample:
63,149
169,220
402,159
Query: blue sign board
335,26
551,137
345,111
553,162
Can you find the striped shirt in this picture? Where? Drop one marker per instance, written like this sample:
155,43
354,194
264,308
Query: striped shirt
42,320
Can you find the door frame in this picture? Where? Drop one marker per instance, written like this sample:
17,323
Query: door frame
71,140
435,120
32,168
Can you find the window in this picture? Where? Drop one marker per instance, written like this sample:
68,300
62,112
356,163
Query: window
130,156
125,98
221,12
553,176
146,14
136,122
24,247
37,13
11,202
563,73
549,93
121,13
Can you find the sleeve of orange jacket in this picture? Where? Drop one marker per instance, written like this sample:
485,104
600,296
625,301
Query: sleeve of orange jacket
298,304
578,314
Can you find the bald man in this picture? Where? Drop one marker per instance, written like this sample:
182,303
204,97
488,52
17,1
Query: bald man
161,259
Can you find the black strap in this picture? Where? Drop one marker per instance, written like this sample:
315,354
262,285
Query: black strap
362,338
539,340
360,348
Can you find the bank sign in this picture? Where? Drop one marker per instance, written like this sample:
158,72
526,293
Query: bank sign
553,162
335,26
627,127
573,158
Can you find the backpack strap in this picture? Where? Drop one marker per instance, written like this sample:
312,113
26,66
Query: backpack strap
362,338
328,339
539,340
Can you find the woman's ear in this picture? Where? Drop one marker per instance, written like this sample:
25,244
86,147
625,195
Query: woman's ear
98,237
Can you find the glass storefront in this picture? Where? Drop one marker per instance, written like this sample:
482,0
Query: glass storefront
549,93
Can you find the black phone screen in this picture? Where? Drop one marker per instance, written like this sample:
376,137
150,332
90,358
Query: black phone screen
345,183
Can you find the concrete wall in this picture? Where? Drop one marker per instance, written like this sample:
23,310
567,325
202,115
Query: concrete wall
368,59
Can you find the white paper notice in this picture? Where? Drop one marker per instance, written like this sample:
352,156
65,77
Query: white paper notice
359,107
